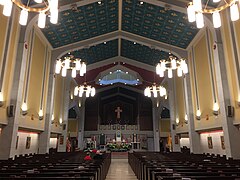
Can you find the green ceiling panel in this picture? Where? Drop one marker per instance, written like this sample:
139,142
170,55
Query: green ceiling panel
156,23
89,21
97,53
142,53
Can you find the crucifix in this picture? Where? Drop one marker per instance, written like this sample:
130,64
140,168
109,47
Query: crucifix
118,111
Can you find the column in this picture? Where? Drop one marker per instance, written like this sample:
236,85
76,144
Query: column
81,119
156,118
172,94
66,100
44,138
230,132
194,137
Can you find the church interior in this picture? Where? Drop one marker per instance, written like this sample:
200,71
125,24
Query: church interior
120,89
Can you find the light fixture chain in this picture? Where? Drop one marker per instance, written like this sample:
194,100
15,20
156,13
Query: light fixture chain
206,4
28,3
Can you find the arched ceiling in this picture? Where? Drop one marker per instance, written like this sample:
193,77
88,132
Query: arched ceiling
143,33
147,20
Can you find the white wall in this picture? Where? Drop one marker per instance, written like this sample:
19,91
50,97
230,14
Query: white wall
184,142
21,149
216,141
53,143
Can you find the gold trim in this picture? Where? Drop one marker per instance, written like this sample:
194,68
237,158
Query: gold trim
227,4
32,9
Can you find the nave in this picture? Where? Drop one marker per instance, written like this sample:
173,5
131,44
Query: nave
110,166
120,170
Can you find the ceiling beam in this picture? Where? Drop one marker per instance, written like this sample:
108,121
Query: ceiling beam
119,85
121,59
58,52
118,94
180,52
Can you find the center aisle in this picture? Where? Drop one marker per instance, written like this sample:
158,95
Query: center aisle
120,169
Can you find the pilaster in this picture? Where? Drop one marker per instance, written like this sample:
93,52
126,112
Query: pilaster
172,99
66,100
230,132
44,138
194,137
156,118
80,129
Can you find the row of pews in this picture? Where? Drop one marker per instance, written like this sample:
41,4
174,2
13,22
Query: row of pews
182,166
55,166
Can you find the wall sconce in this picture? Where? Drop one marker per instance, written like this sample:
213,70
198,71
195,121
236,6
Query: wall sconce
60,121
71,96
186,118
79,104
24,109
215,109
198,115
40,114
52,119
177,121
1,99
166,96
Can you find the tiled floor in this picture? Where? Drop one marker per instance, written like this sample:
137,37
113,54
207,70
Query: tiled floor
120,169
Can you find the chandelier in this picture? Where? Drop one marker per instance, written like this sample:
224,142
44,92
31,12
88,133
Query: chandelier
87,89
69,63
154,89
43,7
171,64
196,10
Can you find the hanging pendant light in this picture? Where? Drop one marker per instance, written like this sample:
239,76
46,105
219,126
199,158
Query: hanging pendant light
155,90
199,20
216,19
196,7
234,12
41,20
38,1
64,72
170,73
7,8
42,7
70,63
191,13
170,64
87,89
23,17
